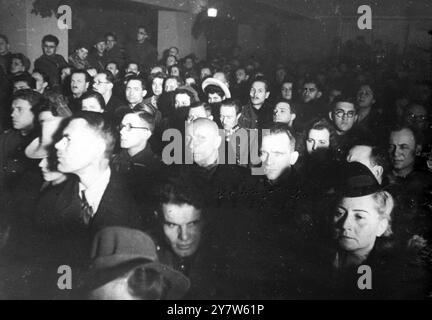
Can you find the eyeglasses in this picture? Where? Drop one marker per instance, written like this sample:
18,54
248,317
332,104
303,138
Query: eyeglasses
129,127
417,117
341,114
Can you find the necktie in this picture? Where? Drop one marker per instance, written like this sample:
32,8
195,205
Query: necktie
86,209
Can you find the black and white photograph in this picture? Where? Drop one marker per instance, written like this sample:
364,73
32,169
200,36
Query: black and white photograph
201,151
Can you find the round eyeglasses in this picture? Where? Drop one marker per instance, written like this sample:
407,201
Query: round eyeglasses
341,114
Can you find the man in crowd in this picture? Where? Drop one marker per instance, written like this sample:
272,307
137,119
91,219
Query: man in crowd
113,51
103,83
5,54
80,82
142,50
97,57
50,62
310,109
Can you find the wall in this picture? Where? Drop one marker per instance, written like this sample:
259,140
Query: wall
175,30
25,30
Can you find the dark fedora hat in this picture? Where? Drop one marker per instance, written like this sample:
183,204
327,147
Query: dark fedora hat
356,180
118,250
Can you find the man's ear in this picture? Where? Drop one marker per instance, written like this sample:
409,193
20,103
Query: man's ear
144,93
331,115
294,157
267,95
356,118
319,94
87,85
378,171
293,116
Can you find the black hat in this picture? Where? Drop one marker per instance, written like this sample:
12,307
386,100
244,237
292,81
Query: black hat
356,180
117,250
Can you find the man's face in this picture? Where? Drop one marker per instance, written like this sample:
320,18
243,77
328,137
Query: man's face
196,113
417,116
205,72
203,143
100,47
282,113
276,155
4,46
175,72
101,84
357,224
182,100
22,115
171,85
240,75
82,53
344,116
113,68
402,149
173,52
365,97
317,139
91,104
189,63
110,42
228,117
142,35
132,67
40,83
49,48
78,84
134,92
214,98
183,228
258,93
79,147
138,133
170,61
17,66
18,85
287,90
310,92
157,86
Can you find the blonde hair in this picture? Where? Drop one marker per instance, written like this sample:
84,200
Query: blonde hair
385,205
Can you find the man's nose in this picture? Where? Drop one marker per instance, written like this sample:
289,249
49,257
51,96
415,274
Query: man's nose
314,146
183,233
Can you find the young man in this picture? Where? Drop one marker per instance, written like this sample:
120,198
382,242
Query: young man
141,50
103,83
311,108
50,62
78,59
80,82
284,112
97,58
257,114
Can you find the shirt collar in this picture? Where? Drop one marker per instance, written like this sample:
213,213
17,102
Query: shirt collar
95,192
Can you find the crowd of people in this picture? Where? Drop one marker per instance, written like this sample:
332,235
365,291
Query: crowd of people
223,179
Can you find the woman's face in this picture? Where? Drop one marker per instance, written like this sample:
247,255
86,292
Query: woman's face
49,172
357,224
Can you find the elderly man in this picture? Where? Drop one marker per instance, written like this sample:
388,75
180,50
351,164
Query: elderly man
96,196
50,62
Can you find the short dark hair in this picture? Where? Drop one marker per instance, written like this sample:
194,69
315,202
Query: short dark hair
32,97
112,62
315,81
50,38
96,95
25,77
290,103
282,128
110,34
148,117
418,138
182,185
184,91
344,98
178,79
212,89
43,74
156,75
263,80
4,37
233,103
137,78
101,125
88,78
24,60
203,104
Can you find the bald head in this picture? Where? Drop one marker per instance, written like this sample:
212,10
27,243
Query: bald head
203,141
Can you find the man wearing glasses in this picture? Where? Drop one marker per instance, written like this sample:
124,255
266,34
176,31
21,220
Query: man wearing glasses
136,161
103,83
50,62
142,50
344,117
